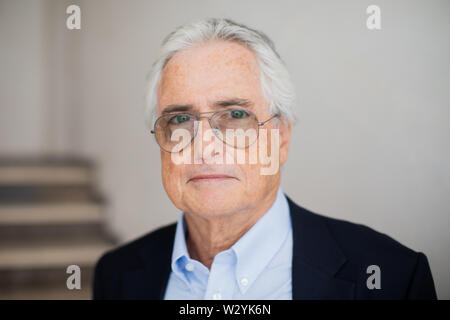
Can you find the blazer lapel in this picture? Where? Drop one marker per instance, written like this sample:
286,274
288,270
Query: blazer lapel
316,259
149,280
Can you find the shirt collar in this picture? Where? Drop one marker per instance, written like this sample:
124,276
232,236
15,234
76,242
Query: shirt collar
180,255
253,250
258,246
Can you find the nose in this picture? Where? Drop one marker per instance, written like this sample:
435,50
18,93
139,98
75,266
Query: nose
202,126
205,142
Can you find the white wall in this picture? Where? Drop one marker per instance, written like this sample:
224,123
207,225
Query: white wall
371,144
38,114
22,129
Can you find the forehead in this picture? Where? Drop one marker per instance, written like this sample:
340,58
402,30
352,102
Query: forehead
208,72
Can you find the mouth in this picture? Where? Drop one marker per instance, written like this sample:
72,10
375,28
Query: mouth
211,178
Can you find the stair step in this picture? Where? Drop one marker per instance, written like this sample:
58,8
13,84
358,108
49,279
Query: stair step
46,193
40,277
44,161
50,218
47,292
44,175
22,235
50,213
43,284
51,255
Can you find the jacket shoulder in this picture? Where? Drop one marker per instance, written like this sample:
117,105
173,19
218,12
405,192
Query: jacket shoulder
354,239
110,269
362,243
405,273
357,238
358,252
128,255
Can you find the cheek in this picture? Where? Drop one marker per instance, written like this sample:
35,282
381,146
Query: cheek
256,184
171,175
252,177
256,181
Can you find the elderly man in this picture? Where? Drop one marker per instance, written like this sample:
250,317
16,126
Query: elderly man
238,235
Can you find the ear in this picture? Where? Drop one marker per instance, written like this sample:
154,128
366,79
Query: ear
285,138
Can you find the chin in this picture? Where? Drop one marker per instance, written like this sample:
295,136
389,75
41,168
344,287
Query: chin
213,189
214,201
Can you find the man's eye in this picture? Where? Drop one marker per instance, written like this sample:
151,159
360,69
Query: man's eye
238,114
179,119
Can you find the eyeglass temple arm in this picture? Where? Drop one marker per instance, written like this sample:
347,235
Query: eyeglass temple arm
263,122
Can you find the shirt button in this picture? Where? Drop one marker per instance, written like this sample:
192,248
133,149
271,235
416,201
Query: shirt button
189,267
217,296
244,281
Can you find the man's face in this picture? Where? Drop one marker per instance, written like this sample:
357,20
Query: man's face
200,77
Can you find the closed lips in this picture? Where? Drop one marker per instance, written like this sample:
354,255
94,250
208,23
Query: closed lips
211,177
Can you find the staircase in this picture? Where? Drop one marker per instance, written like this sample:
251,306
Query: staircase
51,216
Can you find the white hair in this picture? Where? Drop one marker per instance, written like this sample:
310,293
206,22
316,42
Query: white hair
275,80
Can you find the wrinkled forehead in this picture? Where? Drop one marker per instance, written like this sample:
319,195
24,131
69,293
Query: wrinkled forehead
210,72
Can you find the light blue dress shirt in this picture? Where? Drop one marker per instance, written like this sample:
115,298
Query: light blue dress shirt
257,266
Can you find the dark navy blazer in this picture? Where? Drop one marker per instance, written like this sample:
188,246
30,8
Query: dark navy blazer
330,261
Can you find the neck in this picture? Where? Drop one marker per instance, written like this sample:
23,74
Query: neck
207,236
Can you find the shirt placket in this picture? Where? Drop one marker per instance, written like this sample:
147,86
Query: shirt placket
221,281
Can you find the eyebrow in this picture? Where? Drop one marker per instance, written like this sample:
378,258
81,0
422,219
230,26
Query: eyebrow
177,108
233,102
221,104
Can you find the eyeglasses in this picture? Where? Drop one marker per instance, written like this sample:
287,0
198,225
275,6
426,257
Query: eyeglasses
226,125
